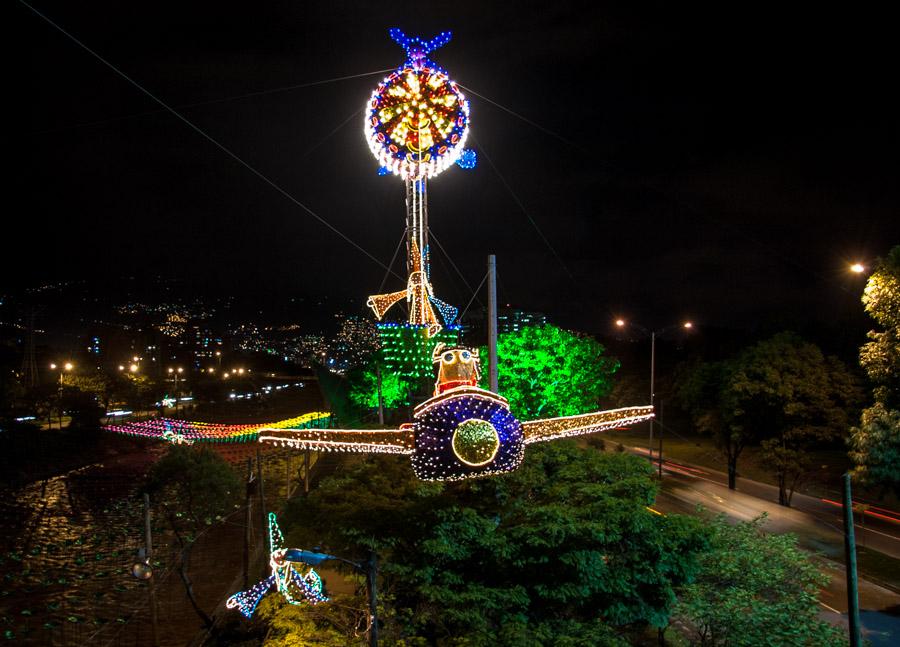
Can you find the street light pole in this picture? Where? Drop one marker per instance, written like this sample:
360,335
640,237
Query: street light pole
652,388
687,325
151,587
850,566
371,576
369,567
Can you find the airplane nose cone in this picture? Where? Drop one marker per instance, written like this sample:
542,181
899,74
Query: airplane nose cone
475,442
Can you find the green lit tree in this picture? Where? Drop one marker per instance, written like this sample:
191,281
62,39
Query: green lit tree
364,387
546,371
755,588
875,444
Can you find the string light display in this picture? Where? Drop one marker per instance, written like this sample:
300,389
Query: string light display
467,159
296,582
187,432
463,431
417,119
390,441
538,431
416,125
456,367
407,350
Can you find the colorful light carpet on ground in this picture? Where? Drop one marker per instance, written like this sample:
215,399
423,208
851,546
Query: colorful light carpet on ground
186,431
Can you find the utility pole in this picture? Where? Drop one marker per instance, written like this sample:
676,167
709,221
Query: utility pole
380,396
306,472
850,554
287,478
492,323
652,388
262,500
371,575
248,519
151,587
661,426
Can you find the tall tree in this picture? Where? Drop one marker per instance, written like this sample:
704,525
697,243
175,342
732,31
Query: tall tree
782,393
755,588
194,488
794,398
547,371
875,444
703,389
561,552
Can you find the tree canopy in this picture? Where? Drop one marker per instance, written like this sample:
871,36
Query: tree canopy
782,393
364,387
875,444
561,552
793,397
546,371
755,588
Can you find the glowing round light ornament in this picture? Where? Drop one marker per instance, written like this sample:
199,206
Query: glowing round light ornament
417,120
475,442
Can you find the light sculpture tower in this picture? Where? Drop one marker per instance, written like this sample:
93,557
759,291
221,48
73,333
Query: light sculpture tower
416,124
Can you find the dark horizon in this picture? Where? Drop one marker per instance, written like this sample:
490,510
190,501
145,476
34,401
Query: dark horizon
709,163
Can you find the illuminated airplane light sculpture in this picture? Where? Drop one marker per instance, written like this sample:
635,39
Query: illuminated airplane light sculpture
462,432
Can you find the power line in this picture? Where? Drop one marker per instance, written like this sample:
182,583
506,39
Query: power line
522,207
474,294
198,104
527,120
209,138
450,259
391,264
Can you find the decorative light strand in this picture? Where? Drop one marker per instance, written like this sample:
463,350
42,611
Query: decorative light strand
538,431
187,432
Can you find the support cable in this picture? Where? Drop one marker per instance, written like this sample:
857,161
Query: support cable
474,294
450,259
391,264
527,120
522,208
209,138
198,104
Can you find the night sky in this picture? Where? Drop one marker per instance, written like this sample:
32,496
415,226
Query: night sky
723,161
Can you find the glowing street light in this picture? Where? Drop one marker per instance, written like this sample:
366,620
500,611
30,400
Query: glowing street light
133,368
175,372
68,366
857,268
687,325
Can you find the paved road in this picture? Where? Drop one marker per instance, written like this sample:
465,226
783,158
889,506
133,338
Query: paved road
876,528
815,523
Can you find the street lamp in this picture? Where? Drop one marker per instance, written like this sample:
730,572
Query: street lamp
175,372
857,268
686,325
68,366
369,567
